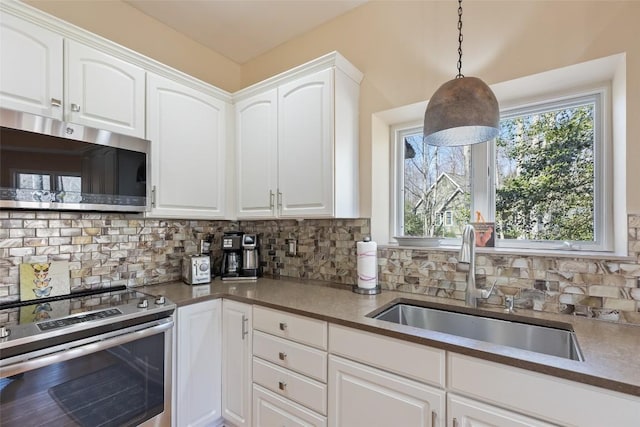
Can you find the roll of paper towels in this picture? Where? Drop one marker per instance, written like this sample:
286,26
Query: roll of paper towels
367,253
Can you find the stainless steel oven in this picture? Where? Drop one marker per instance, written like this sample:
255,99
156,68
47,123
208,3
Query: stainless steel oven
106,365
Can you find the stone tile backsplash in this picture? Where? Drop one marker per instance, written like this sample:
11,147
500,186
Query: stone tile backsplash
107,249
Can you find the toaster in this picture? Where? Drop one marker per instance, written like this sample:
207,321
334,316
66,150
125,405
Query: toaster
196,269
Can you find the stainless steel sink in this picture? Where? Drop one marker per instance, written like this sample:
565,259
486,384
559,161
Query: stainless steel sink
556,339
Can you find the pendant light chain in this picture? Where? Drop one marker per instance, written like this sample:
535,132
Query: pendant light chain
460,75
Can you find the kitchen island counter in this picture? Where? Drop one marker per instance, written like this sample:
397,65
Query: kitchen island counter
610,349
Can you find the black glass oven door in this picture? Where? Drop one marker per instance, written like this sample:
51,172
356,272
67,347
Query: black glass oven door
123,385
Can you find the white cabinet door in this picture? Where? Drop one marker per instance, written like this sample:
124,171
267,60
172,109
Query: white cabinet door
103,91
305,146
360,395
269,409
236,362
198,364
257,155
187,132
464,412
30,68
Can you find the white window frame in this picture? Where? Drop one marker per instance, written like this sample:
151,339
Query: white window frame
608,73
603,184
483,186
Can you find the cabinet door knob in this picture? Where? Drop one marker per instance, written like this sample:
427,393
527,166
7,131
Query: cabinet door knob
56,102
455,422
75,108
282,355
282,385
283,326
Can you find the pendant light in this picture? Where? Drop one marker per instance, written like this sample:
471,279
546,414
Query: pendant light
462,111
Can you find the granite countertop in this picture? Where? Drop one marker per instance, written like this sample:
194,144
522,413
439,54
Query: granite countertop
610,349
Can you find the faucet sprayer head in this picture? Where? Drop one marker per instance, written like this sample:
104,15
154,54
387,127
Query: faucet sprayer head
468,244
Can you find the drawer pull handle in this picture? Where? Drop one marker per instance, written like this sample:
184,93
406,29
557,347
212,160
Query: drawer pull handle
75,108
282,385
283,326
433,418
56,102
455,422
282,355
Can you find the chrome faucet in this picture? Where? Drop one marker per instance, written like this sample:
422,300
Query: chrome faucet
468,257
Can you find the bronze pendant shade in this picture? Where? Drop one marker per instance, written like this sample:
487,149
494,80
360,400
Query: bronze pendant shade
462,111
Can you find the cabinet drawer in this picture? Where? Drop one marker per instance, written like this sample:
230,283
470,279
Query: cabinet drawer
405,358
297,357
302,329
296,387
269,409
512,388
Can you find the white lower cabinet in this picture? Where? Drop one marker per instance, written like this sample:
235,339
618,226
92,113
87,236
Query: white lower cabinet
376,380
464,412
289,369
360,395
198,364
236,363
552,399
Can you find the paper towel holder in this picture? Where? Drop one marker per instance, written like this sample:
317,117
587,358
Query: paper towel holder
367,291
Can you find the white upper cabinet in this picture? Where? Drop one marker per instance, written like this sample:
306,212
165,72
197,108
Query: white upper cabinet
305,146
103,91
30,68
257,154
100,90
187,132
297,143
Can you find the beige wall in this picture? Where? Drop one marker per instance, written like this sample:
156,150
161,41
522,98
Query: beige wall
125,25
406,49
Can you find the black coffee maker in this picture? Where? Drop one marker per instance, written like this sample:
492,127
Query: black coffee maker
231,266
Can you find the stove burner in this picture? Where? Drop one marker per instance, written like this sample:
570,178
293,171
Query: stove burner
60,323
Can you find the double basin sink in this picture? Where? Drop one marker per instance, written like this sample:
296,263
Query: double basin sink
552,338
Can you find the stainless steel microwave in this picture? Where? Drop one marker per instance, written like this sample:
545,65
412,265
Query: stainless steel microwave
50,164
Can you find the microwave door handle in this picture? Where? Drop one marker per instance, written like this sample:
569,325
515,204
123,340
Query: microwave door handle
83,350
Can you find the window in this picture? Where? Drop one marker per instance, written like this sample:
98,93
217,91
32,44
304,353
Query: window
36,181
435,186
545,184
448,219
32,181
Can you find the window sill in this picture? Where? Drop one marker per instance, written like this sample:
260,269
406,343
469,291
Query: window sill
609,256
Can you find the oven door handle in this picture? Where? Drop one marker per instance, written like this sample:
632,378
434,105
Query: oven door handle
83,350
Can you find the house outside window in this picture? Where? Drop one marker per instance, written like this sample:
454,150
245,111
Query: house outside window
541,181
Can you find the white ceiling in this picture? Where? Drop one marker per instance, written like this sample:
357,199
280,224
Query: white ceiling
243,29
